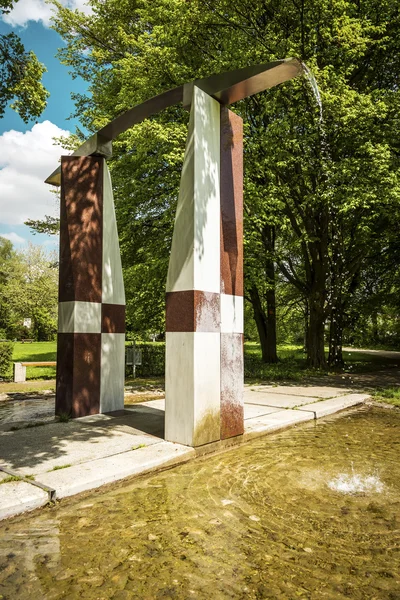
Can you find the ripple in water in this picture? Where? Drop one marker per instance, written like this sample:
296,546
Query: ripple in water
356,484
256,522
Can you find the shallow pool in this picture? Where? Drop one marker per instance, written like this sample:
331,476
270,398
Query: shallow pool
311,512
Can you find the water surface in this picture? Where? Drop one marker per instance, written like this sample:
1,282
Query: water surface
268,520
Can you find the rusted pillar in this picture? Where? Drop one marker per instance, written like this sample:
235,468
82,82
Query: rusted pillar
91,318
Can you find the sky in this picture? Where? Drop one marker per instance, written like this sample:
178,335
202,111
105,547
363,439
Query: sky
27,152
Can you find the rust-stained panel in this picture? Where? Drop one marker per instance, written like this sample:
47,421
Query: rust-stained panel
232,369
193,310
231,203
81,230
78,374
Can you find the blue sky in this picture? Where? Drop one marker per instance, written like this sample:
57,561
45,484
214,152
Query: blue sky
27,152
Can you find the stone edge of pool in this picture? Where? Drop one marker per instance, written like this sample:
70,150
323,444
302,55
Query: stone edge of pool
18,497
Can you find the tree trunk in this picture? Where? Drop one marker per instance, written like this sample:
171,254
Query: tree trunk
266,326
306,324
375,328
271,354
315,335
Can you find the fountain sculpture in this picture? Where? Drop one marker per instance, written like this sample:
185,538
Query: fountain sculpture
204,301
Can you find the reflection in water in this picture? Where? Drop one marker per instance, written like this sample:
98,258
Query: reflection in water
258,522
19,411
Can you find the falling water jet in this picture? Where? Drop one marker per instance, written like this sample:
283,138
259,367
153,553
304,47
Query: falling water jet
314,86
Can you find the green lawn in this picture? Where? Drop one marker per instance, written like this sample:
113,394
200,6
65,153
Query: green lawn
291,364
36,352
389,395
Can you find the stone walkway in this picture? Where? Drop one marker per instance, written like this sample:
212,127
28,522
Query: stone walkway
86,453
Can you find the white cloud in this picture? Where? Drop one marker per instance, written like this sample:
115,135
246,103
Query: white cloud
26,159
13,237
38,10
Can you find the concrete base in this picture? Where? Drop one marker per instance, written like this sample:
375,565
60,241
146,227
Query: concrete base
18,497
19,373
93,451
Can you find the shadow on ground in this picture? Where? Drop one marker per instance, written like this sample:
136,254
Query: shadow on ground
29,448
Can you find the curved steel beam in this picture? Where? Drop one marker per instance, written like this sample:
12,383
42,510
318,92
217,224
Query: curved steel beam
227,88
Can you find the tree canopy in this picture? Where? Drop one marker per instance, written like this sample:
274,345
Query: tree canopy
28,290
321,189
20,75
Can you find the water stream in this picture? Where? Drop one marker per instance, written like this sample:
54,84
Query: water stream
261,521
309,75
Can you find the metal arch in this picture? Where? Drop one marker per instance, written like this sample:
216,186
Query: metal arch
227,88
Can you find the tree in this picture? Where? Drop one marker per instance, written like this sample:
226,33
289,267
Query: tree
20,76
319,188
28,289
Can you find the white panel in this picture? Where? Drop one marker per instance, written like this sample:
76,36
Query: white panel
207,193
113,283
112,372
179,387
79,317
180,270
231,314
196,240
192,388
207,377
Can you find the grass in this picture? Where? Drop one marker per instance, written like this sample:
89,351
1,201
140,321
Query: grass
59,468
292,364
389,395
139,446
11,478
64,417
291,367
36,352
26,388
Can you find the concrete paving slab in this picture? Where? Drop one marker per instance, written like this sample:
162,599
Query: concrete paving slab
18,496
277,400
255,410
159,403
96,473
328,407
274,421
40,449
312,391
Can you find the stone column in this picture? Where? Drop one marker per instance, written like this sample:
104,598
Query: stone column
204,353
192,378
91,318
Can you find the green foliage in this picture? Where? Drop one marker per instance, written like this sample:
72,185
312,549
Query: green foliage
6,354
20,78
153,359
64,417
326,192
6,5
28,289
390,395
49,225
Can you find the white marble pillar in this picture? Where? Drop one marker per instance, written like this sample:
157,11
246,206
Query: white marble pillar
193,347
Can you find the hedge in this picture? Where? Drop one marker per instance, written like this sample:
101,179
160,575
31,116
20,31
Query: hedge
6,352
153,360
